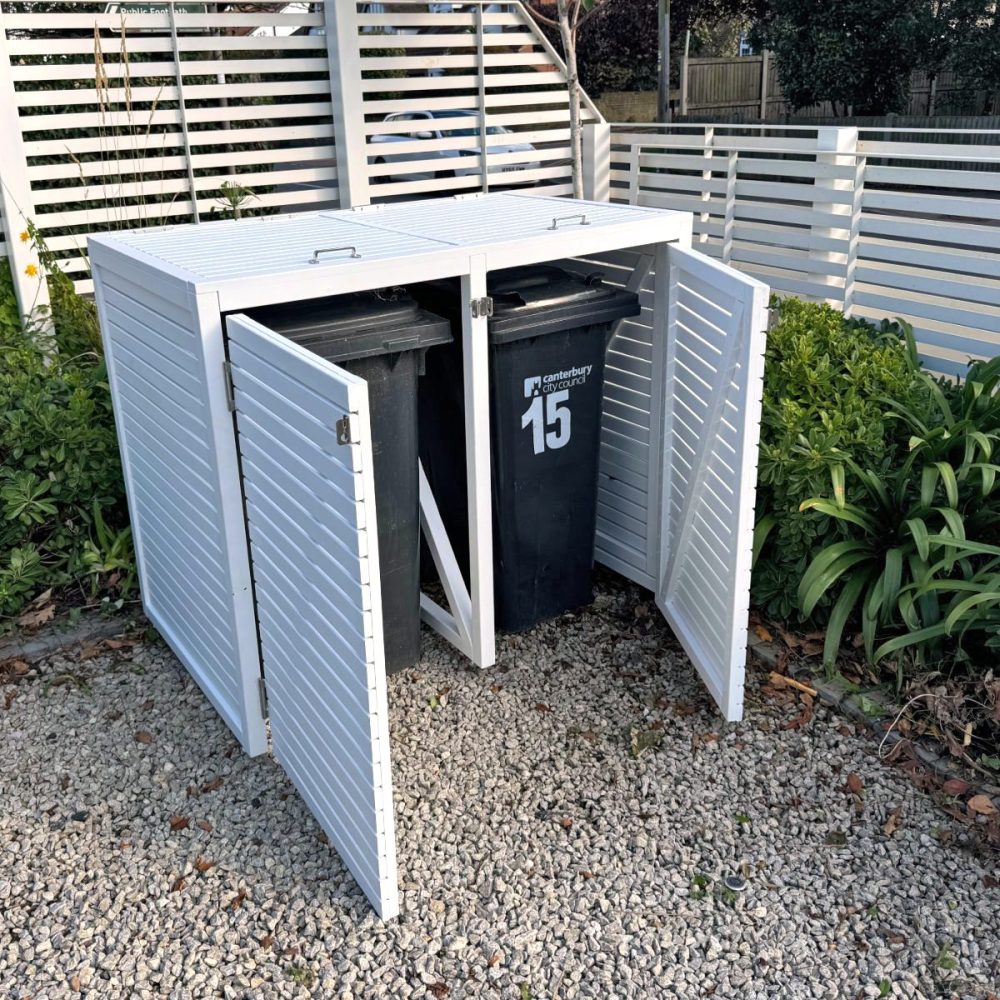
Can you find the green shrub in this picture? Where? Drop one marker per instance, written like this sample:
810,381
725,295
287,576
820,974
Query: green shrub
10,320
63,518
826,380
920,566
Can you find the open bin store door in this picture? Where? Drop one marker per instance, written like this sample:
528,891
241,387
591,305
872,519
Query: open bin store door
306,456
712,402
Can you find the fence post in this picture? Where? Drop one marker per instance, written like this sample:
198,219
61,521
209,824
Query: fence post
484,147
343,45
705,217
597,161
765,70
860,163
730,217
16,202
685,69
835,147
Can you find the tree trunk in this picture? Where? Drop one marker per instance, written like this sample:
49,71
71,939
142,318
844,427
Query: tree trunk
568,35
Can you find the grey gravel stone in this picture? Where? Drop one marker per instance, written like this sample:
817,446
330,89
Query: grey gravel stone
496,889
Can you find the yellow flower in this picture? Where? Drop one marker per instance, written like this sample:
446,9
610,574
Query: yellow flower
25,236
31,271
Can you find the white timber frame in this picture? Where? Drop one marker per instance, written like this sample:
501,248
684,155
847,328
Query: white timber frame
485,232
204,418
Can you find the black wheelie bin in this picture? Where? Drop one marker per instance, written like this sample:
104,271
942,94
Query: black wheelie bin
380,336
548,337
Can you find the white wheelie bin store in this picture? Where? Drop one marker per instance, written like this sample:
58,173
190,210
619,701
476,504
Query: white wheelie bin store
248,463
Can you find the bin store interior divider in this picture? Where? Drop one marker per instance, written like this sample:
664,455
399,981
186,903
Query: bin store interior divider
548,334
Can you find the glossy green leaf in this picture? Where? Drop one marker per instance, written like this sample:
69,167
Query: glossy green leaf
845,603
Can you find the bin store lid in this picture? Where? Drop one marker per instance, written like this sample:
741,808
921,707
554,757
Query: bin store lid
535,300
359,325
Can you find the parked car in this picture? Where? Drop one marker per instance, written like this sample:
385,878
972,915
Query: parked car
454,162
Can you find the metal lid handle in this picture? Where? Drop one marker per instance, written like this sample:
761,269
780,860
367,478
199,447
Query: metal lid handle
316,253
568,218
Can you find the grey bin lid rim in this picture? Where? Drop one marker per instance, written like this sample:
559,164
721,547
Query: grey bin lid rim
359,325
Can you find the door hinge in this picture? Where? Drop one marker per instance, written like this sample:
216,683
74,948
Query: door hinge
227,374
262,691
482,307
344,430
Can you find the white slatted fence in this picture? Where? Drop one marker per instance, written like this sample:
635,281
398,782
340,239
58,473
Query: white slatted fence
139,119
487,58
878,222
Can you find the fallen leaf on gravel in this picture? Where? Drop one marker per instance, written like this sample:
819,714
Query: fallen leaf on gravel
782,680
565,822
178,885
8,699
845,731
496,688
894,937
438,990
989,882
212,786
542,707
143,737
893,821
589,735
955,786
586,874
237,901
982,805
812,648
763,634
205,825
16,668
684,708
121,643
791,641
836,838
31,619
804,717
493,959
179,823
89,650
125,845
854,784
147,705
266,941
202,865
75,985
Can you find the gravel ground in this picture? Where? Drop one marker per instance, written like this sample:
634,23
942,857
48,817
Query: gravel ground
537,856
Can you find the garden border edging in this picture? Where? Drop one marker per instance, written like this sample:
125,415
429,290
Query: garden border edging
844,702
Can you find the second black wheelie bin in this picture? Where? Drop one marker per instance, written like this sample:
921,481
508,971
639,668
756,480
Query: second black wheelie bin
380,336
548,337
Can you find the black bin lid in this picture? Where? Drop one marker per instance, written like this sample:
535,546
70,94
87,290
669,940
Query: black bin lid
538,299
358,325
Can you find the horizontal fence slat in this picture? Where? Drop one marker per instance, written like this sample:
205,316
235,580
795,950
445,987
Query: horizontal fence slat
84,70
63,21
